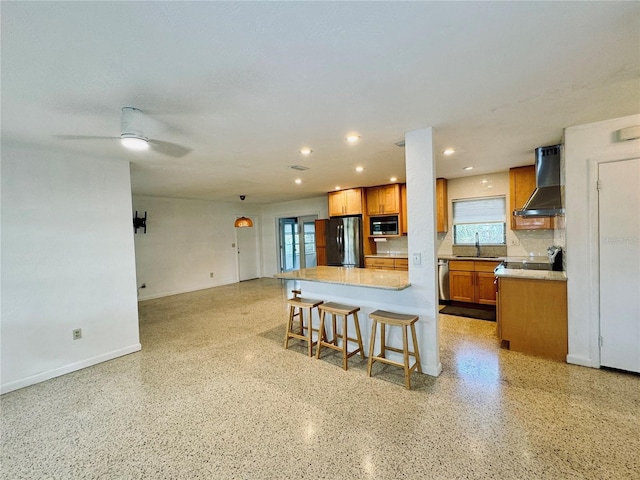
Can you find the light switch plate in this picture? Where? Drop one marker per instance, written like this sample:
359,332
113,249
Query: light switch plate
417,259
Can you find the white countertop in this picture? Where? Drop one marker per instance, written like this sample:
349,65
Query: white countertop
388,255
481,259
531,274
359,277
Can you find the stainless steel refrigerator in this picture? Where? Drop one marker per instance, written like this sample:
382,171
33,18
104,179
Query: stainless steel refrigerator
344,242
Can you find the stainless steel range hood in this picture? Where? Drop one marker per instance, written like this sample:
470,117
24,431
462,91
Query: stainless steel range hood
546,199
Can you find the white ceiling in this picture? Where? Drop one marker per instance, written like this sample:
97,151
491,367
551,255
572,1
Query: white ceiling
245,85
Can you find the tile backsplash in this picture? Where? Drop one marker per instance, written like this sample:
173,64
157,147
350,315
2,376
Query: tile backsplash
392,246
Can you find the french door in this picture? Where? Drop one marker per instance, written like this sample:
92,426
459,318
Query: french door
297,242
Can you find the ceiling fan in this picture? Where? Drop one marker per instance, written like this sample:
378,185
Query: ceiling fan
132,135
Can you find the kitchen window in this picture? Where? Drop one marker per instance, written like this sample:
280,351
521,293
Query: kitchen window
485,217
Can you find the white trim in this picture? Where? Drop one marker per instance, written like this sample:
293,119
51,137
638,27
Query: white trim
187,290
41,377
582,361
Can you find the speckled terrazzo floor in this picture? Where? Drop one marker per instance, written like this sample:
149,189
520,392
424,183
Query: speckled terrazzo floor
214,395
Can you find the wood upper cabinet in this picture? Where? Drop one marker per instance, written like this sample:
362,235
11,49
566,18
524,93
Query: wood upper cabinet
345,202
403,209
472,281
522,183
321,241
383,200
442,206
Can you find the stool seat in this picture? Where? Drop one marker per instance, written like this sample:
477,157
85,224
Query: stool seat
398,320
301,304
338,309
333,307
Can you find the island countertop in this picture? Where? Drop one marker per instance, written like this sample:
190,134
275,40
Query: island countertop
359,277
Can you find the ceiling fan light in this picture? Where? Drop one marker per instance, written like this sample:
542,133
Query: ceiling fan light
134,143
243,222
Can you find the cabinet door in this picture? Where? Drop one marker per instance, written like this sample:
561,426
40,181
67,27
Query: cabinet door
373,201
485,288
442,203
522,183
353,201
461,286
336,204
379,263
389,197
401,264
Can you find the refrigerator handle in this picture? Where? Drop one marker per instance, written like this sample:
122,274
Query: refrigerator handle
342,241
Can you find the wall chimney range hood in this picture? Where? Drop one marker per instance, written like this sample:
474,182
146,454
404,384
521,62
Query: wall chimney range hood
546,199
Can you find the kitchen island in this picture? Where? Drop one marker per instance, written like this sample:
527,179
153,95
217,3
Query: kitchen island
371,290
532,311
360,277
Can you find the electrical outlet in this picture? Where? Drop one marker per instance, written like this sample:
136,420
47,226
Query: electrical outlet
417,259
77,334
211,275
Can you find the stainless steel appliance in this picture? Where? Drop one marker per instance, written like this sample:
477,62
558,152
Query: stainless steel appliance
344,242
546,199
384,225
443,280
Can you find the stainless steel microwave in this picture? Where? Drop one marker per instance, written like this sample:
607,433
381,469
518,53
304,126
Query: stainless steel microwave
385,225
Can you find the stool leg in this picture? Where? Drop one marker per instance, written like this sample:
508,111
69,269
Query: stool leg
345,343
383,340
335,330
372,346
416,353
405,347
309,333
320,333
358,335
289,326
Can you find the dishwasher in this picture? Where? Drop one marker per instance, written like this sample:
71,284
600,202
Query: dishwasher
443,280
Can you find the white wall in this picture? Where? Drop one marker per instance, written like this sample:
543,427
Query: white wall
270,213
67,262
585,147
186,241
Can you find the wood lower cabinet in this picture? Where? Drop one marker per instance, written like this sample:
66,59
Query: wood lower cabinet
321,242
345,202
472,281
386,263
532,316
522,183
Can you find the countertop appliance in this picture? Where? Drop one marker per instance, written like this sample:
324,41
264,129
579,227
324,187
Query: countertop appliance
344,242
546,199
387,225
443,280
555,258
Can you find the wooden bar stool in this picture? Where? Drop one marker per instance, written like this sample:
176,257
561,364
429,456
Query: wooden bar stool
300,304
400,320
336,309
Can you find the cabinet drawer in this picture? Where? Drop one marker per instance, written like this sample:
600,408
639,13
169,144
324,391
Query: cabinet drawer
402,263
461,265
486,266
379,263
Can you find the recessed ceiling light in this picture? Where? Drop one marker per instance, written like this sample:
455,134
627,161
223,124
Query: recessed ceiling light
449,151
468,168
298,181
353,138
359,169
393,179
484,180
337,187
134,143
305,151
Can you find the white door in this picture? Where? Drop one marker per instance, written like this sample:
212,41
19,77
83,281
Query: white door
247,247
619,244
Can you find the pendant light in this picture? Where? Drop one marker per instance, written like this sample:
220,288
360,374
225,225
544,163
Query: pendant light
243,221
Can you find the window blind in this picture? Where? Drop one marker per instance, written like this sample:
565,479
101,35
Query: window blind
480,210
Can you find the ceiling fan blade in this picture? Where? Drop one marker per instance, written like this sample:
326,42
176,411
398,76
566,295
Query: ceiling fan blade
84,137
168,148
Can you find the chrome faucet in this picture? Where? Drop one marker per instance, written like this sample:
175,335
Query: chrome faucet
477,245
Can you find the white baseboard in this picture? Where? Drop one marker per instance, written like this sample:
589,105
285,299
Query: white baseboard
56,372
582,361
178,292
